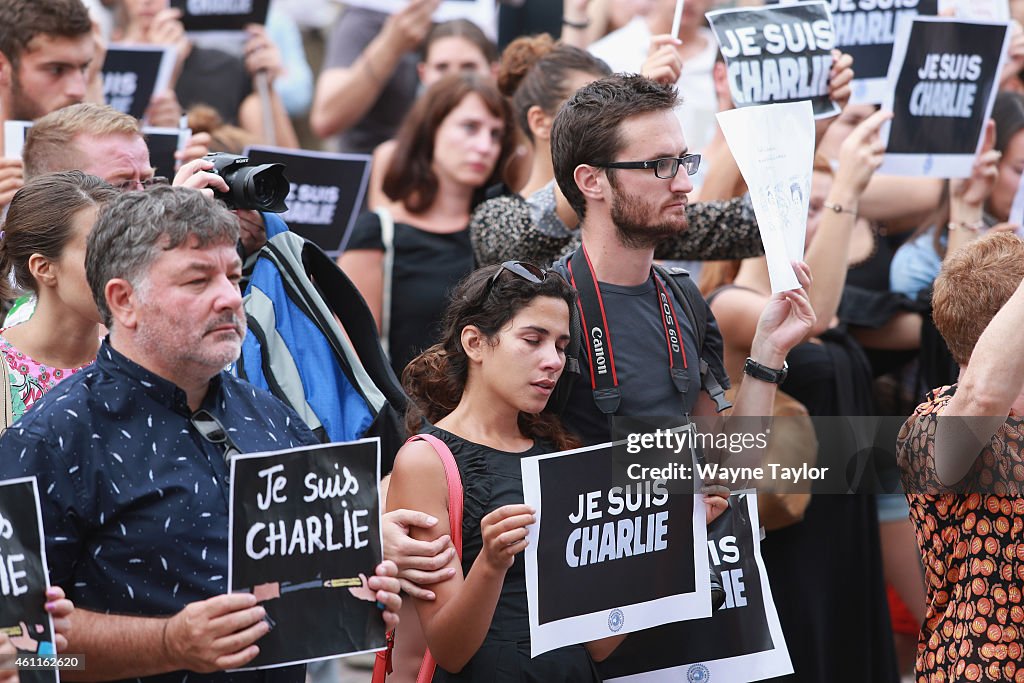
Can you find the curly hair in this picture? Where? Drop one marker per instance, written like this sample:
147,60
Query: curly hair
436,378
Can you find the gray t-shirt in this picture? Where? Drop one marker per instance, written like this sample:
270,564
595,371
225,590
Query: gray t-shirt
641,362
354,30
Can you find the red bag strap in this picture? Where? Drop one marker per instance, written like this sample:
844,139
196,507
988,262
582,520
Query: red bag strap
382,665
451,473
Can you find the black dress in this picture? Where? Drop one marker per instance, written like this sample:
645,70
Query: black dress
491,479
826,571
427,267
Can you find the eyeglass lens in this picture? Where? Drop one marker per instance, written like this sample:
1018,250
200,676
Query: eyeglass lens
668,167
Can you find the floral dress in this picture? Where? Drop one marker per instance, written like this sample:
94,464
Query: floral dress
29,378
972,548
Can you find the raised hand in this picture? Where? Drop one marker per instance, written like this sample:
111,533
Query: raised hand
860,155
974,190
785,321
663,62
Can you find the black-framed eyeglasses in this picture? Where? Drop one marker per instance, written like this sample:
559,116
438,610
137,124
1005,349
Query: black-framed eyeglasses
523,269
129,185
213,431
665,168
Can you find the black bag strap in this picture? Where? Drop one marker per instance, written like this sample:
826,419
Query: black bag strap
597,336
693,302
599,353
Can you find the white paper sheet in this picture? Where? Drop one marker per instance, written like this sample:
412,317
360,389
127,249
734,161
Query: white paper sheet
773,146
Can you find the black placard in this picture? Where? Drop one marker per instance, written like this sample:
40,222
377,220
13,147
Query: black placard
23,575
586,521
777,54
326,192
866,30
305,534
221,15
945,88
131,76
736,643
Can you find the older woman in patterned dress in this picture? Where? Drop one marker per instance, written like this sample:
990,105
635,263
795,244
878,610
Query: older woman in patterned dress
963,468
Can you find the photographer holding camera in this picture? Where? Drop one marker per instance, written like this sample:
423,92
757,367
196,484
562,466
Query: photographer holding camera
100,141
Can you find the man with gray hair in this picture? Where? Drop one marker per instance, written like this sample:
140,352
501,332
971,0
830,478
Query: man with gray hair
133,452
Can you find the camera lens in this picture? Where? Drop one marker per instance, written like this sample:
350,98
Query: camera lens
262,187
263,190
265,187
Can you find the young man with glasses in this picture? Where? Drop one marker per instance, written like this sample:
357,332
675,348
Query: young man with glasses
132,452
47,61
622,162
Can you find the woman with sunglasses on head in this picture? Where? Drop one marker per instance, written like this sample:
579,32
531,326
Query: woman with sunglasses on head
42,248
482,390
406,258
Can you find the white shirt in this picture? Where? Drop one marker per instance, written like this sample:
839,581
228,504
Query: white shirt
625,51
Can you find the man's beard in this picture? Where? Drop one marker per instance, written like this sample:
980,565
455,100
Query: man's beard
24,108
185,348
633,225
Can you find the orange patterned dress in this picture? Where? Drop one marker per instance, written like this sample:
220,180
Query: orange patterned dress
972,547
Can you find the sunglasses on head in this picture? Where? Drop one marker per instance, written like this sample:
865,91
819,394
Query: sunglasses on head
522,269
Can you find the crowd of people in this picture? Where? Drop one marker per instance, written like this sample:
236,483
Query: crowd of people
512,193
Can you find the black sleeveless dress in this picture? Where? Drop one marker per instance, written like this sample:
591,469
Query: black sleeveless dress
491,479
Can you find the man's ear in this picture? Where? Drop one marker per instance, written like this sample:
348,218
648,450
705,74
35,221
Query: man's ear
43,270
123,302
6,71
590,180
539,122
473,342
421,68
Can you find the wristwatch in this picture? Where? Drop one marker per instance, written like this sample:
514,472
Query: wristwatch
764,373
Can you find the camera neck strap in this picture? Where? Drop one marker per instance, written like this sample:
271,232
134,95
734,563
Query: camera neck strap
604,380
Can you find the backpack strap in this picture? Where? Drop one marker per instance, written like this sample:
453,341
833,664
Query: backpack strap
686,291
345,301
387,238
451,473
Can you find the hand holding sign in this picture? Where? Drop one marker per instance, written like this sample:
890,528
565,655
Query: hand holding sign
1014,57
261,54
8,672
215,634
785,321
716,501
407,28
163,111
60,609
504,535
840,78
196,147
663,62
388,588
167,29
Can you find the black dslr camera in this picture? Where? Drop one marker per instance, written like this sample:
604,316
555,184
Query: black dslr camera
260,187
